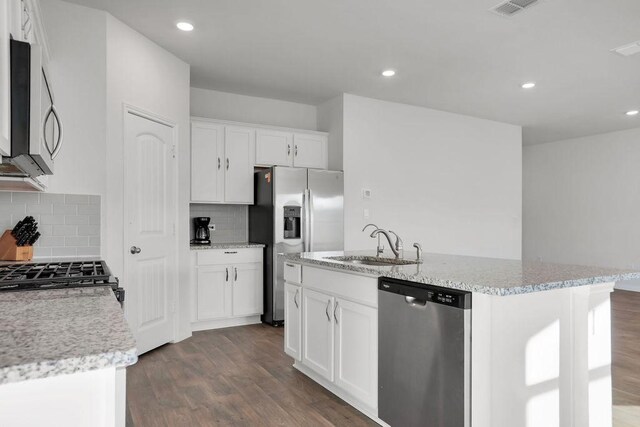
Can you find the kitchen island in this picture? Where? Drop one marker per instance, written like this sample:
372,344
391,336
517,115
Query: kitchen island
540,333
63,354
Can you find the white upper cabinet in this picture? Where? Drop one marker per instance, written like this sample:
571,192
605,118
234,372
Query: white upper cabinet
239,146
222,159
274,148
310,151
207,154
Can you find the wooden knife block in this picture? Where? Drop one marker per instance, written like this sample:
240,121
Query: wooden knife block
10,251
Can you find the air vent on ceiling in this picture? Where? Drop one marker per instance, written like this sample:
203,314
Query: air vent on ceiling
511,7
628,49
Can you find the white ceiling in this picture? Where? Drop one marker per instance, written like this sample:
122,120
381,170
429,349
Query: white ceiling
450,55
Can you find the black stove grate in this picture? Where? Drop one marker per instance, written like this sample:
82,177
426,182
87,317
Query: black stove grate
54,274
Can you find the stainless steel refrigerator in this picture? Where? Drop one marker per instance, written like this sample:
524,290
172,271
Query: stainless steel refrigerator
295,210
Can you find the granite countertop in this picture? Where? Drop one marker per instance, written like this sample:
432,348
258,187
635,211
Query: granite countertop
62,331
491,276
226,246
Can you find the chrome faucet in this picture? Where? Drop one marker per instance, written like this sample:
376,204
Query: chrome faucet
418,247
399,243
380,248
397,248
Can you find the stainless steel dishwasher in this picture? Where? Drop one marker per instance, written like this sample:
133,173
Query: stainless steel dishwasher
424,355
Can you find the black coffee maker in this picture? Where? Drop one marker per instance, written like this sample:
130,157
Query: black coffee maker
202,230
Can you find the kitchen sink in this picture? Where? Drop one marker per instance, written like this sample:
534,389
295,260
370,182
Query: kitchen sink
373,261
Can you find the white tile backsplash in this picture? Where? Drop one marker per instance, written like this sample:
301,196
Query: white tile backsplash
69,223
231,221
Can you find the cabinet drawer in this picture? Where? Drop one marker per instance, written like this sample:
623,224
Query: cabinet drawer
229,256
292,272
355,287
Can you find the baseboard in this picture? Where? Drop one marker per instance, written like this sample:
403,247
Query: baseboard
365,409
224,323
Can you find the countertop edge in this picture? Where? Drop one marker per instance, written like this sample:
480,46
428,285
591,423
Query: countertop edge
52,368
214,246
479,288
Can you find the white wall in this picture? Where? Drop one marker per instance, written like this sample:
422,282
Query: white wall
331,119
581,200
78,74
241,108
143,75
451,182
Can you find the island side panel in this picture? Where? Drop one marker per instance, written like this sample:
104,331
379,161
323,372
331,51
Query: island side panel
80,399
526,353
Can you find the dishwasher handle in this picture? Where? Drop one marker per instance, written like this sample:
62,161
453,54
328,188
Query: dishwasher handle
415,302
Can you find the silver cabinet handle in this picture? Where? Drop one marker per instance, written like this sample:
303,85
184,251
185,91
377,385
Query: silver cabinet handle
295,298
335,307
288,150
218,163
226,279
135,250
227,163
296,152
44,131
230,252
326,310
58,145
235,277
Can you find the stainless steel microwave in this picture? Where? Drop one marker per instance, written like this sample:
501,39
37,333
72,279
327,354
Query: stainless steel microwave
36,129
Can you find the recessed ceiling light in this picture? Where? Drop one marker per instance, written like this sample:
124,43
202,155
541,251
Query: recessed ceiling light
389,73
185,26
632,113
528,85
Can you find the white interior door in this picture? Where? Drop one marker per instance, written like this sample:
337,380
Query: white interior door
149,209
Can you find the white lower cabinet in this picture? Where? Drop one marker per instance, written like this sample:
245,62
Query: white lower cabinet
246,293
356,350
328,331
318,332
214,292
293,320
228,287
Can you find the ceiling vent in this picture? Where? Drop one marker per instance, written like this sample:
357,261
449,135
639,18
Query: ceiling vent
628,49
511,7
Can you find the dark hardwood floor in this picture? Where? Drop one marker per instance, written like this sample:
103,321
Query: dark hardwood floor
230,377
625,343
241,377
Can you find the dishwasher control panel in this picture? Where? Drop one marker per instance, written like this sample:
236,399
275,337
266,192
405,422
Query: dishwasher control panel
426,293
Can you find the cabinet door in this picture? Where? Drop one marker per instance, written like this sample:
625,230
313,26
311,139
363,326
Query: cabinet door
274,148
214,292
207,156
5,101
292,320
310,151
317,312
239,145
247,289
356,358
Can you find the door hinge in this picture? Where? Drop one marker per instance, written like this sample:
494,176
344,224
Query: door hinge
173,151
172,306
174,228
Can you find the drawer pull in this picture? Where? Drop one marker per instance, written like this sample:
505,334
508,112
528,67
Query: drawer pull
290,266
230,252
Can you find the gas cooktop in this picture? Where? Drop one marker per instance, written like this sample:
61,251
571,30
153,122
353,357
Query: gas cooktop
57,275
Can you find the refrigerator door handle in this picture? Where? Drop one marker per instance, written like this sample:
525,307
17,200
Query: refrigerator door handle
310,226
305,219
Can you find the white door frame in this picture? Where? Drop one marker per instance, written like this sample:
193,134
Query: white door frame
145,114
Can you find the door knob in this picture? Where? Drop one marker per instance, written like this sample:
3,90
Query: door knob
135,250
